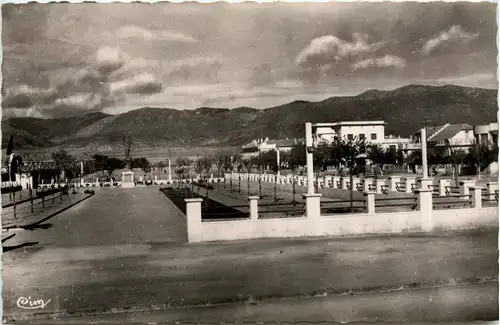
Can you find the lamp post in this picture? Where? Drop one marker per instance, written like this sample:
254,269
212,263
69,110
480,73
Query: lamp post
231,177
309,159
278,161
425,168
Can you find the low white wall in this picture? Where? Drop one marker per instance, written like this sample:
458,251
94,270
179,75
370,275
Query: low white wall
345,225
455,219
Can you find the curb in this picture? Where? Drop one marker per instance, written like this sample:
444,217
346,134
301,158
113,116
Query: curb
49,216
8,237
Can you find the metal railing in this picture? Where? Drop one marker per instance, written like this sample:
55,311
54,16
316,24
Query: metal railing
452,191
401,186
288,209
412,205
343,206
462,201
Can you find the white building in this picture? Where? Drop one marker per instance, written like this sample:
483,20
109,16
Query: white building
372,131
453,135
262,145
486,133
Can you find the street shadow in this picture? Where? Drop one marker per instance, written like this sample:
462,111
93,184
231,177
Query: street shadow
27,244
38,226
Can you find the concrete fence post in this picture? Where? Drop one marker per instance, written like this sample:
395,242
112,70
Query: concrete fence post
443,183
193,216
477,197
343,182
366,184
378,184
391,183
370,202
408,184
313,205
335,180
465,187
254,207
490,189
424,205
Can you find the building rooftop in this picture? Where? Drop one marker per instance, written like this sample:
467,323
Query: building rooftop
349,123
449,131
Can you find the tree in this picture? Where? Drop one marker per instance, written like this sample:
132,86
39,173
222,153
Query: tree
113,164
414,159
142,163
348,152
100,162
247,165
297,156
198,167
381,156
480,156
62,162
182,167
456,159
322,156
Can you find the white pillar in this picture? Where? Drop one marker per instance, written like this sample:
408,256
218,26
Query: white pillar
425,168
253,202
169,171
392,183
477,197
313,205
465,187
408,184
378,185
366,184
425,183
491,188
278,160
193,216
443,183
343,182
424,205
309,154
370,202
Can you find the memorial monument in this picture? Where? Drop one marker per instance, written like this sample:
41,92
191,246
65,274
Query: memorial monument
128,173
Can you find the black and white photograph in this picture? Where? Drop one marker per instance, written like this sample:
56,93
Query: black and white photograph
172,163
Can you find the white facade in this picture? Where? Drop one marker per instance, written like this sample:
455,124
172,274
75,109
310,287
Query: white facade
371,131
486,133
263,145
462,138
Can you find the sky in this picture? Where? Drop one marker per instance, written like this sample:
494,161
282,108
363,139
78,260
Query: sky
70,59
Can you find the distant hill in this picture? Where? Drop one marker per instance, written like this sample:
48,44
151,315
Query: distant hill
405,109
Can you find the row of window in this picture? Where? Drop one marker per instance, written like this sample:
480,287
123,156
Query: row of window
362,136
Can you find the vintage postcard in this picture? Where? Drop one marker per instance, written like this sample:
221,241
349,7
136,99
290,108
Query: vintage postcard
249,162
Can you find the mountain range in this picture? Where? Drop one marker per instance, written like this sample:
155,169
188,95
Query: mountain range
405,110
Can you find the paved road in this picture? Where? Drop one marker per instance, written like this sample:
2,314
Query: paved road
441,304
126,248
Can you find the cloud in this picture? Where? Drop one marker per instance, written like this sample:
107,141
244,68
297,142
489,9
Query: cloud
388,61
24,97
137,32
325,49
109,59
199,69
144,84
454,34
